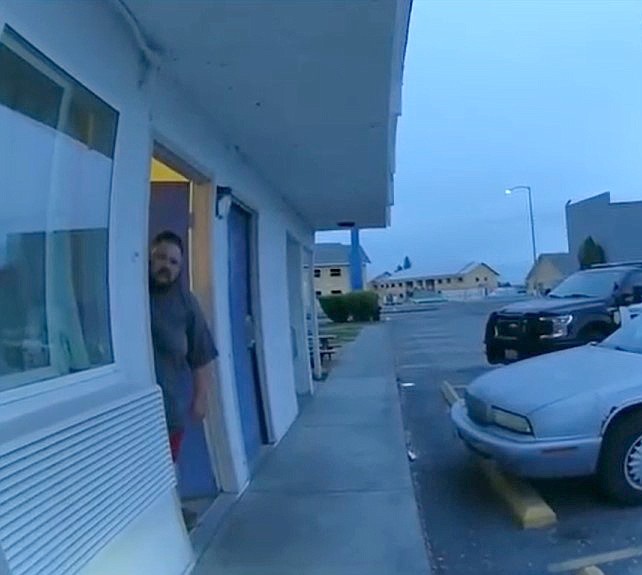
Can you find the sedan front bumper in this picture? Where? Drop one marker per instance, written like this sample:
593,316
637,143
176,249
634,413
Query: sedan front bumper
527,456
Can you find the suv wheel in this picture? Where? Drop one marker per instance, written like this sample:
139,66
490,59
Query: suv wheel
620,466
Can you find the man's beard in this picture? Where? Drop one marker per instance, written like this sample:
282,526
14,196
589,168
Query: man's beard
166,281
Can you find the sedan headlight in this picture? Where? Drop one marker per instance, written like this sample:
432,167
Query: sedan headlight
511,421
558,326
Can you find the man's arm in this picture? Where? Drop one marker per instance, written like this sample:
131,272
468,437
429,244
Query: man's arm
203,378
200,356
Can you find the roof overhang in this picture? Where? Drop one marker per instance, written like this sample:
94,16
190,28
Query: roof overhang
308,92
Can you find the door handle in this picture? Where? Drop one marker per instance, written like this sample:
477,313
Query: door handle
249,332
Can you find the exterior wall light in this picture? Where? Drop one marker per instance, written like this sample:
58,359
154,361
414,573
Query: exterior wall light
223,202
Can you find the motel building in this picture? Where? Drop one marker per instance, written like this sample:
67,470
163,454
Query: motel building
244,127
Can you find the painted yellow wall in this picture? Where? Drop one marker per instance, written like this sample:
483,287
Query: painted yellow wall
163,173
544,276
326,284
399,288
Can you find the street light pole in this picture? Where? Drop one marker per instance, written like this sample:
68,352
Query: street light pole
530,213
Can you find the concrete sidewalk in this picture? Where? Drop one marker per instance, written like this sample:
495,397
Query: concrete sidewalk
335,496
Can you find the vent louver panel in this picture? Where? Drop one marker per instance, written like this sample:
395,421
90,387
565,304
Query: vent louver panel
63,496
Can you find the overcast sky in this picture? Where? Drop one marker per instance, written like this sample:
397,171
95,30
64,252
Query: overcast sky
546,93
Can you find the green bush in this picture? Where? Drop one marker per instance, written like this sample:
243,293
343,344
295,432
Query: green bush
335,307
361,306
591,253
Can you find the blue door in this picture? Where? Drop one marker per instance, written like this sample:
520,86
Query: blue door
243,345
169,210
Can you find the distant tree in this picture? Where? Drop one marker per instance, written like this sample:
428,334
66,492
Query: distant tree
398,269
407,264
590,253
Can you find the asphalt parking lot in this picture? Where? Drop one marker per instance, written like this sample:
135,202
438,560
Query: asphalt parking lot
467,527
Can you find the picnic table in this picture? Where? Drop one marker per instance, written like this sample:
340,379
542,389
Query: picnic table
326,347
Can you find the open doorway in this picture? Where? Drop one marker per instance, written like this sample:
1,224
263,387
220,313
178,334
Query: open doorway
175,190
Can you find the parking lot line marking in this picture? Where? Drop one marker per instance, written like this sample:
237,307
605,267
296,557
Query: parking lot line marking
591,570
594,560
450,395
525,504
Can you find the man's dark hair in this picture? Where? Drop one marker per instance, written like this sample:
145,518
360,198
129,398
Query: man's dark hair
169,237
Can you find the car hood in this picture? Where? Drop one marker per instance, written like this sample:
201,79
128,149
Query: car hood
549,305
529,385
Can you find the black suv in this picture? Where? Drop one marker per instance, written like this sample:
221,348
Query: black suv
584,308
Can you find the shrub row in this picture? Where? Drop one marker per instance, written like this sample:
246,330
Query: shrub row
356,306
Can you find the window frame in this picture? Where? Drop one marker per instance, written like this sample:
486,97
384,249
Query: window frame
99,374
51,380
13,41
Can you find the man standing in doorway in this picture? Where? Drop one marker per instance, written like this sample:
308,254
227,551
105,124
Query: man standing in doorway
183,346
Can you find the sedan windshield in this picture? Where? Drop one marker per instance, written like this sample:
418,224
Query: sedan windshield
592,283
627,338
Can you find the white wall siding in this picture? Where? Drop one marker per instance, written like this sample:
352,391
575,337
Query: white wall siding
275,312
47,26
69,490
91,42
77,36
176,558
182,130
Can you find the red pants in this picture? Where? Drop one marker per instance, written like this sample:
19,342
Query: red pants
175,441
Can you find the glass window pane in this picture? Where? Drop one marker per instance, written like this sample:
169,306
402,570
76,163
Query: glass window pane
56,149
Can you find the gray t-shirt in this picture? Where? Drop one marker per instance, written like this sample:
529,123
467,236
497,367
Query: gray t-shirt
182,343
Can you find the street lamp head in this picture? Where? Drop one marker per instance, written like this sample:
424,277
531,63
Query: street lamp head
509,191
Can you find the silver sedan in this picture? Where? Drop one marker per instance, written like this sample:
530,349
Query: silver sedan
576,412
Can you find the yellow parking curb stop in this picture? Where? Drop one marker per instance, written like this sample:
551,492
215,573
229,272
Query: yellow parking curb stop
449,393
592,570
525,504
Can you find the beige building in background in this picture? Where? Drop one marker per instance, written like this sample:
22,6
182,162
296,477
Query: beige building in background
475,279
549,271
332,269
